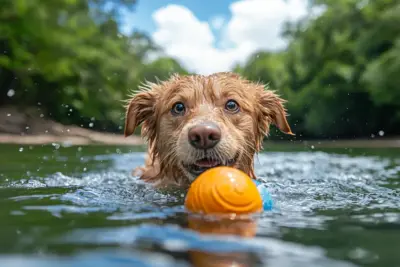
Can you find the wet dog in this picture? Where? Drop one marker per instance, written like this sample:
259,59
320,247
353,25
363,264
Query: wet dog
195,122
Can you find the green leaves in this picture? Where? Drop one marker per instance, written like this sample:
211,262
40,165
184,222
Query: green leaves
382,78
71,57
341,71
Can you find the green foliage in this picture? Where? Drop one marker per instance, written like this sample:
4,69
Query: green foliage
70,58
341,71
161,69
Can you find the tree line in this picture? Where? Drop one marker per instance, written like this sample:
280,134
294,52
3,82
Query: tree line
340,72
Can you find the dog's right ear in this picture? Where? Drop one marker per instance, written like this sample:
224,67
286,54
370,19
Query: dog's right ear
140,110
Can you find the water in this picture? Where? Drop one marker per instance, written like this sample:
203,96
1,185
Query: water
79,206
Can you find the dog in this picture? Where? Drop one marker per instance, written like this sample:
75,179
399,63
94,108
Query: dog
195,122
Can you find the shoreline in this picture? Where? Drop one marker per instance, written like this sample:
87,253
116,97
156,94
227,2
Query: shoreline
87,137
92,139
341,143
27,127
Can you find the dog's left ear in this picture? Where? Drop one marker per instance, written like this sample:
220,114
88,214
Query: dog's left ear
140,110
272,109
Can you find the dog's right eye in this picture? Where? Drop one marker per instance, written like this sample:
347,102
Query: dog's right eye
178,109
232,106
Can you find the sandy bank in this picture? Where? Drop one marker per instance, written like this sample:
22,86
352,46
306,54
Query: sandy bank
29,127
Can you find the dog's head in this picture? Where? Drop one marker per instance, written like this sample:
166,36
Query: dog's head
196,122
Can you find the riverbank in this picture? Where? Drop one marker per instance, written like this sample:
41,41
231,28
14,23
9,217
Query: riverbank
29,128
71,135
87,138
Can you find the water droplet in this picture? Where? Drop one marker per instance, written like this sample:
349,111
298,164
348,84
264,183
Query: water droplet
11,93
67,143
55,145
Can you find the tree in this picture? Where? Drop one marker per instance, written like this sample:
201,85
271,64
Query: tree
339,70
70,59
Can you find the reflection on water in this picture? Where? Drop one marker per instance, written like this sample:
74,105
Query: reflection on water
241,228
82,205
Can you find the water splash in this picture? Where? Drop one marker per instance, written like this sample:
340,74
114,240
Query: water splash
311,190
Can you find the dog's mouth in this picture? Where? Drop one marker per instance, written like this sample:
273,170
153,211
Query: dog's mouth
206,163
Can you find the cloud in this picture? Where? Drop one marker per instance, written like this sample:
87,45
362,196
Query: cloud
259,22
217,22
254,25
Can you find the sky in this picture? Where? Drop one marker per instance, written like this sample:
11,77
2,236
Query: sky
207,36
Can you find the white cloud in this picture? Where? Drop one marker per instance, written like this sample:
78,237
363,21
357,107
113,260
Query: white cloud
255,24
217,22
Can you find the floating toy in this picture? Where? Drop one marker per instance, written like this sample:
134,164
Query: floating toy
265,195
227,190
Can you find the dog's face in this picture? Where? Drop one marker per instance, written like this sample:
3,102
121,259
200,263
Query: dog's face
194,123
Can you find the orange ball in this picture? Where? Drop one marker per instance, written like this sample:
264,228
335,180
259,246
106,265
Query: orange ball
223,190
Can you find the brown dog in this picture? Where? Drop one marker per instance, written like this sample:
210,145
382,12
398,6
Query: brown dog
196,122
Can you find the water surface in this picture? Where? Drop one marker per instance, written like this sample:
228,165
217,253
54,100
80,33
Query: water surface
75,206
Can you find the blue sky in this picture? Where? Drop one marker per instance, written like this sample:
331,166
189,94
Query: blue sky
207,36
204,10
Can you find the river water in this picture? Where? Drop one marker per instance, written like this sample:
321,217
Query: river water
79,206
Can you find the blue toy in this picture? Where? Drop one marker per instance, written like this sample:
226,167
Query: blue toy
265,195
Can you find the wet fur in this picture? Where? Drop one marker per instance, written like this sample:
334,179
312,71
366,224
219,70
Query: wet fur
205,97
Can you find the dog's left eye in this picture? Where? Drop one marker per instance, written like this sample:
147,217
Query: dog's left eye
232,106
178,109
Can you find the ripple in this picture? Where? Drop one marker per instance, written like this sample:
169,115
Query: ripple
99,189
300,184
306,182
174,238
311,190
99,259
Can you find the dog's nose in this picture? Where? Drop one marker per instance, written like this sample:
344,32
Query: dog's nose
205,135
